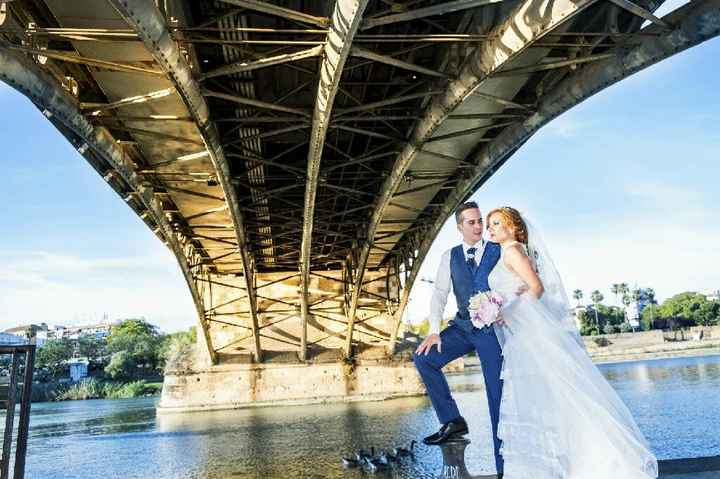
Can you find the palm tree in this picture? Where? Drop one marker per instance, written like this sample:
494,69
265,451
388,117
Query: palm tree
616,289
627,300
624,288
650,296
577,295
596,297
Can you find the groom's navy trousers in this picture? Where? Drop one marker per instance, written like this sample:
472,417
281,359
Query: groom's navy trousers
460,338
457,342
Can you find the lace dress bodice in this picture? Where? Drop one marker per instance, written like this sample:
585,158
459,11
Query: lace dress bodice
504,281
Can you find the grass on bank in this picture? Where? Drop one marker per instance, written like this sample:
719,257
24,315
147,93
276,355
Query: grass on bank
91,388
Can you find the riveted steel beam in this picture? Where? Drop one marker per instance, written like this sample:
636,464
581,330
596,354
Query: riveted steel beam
343,26
377,57
509,40
430,11
103,153
253,102
147,20
245,66
692,23
281,12
640,12
73,58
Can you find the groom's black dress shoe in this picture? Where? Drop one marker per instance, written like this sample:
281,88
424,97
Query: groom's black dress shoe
453,430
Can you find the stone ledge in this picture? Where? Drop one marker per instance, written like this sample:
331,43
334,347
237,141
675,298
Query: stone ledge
695,468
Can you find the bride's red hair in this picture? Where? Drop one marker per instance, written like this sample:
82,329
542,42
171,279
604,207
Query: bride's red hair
512,219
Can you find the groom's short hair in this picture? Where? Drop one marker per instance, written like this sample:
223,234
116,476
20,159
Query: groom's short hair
465,206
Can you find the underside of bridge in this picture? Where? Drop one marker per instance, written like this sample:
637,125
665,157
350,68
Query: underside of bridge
300,156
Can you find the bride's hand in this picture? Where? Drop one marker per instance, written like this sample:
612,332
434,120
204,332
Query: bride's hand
500,320
430,341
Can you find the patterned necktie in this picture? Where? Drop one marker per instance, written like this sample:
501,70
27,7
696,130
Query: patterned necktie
471,259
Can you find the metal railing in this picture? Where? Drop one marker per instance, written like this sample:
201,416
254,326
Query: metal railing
11,393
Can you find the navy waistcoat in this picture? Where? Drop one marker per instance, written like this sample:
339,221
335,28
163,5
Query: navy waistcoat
465,284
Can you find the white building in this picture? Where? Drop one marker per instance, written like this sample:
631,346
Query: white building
7,339
78,368
96,330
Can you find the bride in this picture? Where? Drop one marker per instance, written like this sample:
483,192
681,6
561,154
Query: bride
559,417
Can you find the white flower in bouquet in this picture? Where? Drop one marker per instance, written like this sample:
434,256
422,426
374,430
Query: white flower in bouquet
484,308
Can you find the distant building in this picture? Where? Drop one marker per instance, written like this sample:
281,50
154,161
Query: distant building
43,333
97,330
27,330
713,296
8,339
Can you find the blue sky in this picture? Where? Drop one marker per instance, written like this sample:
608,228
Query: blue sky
623,187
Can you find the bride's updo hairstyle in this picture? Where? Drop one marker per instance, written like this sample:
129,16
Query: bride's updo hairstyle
512,220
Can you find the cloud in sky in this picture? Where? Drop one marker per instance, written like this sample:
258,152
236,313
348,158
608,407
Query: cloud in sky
41,286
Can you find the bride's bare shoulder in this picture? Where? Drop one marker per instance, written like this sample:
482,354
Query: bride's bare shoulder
514,252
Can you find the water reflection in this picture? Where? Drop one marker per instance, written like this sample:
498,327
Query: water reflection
674,402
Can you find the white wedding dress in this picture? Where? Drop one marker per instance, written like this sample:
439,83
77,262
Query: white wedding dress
559,417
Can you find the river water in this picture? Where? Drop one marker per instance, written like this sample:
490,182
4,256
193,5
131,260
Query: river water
675,402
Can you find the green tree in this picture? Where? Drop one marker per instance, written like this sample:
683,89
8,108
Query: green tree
609,315
587,324
176,350
689,309
648,315
577,296
122,366
610,329
596,297
616,289
140,339
627,301
54,355
92,348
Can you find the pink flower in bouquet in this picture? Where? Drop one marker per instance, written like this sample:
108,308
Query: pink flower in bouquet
484,308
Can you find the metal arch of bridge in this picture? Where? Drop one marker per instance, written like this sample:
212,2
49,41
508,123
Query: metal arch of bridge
521,29
692,24
146,19
266,264
105,155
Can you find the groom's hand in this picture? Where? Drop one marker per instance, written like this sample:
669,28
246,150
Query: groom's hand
427,344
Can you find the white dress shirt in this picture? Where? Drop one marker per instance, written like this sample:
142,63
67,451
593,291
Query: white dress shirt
443,284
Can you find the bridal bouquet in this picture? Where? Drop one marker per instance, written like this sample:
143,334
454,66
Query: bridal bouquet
484,308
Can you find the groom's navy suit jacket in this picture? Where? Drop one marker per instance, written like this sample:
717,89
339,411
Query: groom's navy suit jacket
466,283
461,338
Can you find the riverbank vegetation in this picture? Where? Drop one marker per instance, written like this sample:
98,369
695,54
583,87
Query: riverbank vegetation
92,388
128,363
683,310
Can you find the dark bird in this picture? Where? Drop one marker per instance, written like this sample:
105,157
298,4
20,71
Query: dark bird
362,454
386,457
375,465
401,451
349,462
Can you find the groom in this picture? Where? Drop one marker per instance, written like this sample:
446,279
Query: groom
466,268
